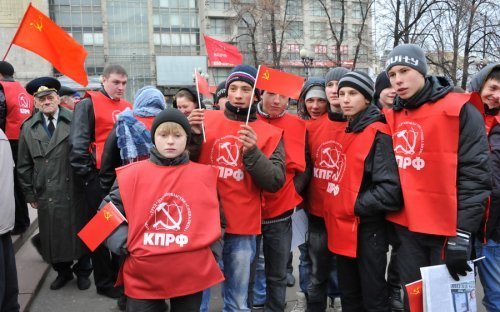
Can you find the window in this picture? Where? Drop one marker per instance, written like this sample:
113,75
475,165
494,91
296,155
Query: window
295,30
294,7
219,4
321,52
294,51
318,29
337,8
92,39
317,8
344,49
356,10
219,26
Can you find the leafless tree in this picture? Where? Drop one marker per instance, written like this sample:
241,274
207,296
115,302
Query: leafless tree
336,34
365,7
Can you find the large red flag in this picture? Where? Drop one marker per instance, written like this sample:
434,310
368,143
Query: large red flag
222,54
415,296
101,225
39,34
279,82
202,85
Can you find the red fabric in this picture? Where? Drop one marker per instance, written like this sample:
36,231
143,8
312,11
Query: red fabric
202,85
425,143
101,225
341,222
415,296
279,82
39,34
490,122
105,112
294,139
19,107
173,218
222,54
322,135
239,195
147,121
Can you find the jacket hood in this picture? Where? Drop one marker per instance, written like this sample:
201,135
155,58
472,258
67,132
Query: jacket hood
435,88
311,82
370,115
478,80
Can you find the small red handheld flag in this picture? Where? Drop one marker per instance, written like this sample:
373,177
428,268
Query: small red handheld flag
101,225
279,82
202,85
415,296
39,34
222,54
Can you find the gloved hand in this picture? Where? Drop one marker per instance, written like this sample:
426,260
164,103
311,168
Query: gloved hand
457,253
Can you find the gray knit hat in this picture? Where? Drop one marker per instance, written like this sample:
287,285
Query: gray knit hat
335,74
410,55
360,81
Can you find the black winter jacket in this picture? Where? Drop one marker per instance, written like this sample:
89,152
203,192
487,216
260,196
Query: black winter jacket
380,190
473,172
493,225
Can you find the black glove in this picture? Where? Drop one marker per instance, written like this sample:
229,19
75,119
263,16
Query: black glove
457,253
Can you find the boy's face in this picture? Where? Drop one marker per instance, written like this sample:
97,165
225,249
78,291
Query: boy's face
274,104
316,107
387,97
490,93
406,81
352,102
170,144
240,94
331,93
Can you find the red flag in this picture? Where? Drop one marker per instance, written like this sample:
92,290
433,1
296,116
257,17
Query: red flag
222,54
202,85
101,225
279,82
415,296
39,34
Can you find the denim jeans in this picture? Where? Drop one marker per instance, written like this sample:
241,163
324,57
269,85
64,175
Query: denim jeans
304,268
205,300
489,273
237,256
259,287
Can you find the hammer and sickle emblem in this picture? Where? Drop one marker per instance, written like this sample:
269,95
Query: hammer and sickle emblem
171,224
233,159
266,75
107,215
416,291
37,24
409,149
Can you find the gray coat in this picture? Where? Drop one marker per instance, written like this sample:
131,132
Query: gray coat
47,178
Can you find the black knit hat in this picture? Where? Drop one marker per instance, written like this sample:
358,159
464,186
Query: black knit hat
171,115
360,81
382,82
221,91
244,73
6,69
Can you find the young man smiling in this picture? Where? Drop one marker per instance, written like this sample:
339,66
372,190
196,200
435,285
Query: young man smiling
441,148
250,159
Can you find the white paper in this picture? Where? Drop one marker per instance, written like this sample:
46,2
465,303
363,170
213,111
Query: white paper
299,228
442,293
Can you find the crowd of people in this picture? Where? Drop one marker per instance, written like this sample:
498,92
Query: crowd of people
407,161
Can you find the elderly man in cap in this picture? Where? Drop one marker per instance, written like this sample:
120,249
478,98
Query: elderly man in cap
46,178
15,106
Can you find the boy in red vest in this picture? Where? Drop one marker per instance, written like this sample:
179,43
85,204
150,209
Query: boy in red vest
93,119
173,217
15,106
365,188
487,83
441,149
250,159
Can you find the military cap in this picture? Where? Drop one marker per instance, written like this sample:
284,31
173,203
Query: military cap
67,91
42,86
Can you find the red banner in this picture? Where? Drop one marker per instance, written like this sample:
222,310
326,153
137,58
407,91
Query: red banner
39,34
415,296
279,82
101,225
222,54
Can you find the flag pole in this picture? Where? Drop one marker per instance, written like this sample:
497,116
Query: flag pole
13,38
199,105
253,93
5,56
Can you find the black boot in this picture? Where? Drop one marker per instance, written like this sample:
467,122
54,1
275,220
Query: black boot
61,280
396,299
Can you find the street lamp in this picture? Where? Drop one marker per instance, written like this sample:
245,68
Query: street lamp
307,59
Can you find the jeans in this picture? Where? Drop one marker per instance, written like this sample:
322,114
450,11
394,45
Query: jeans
9,289
237,256
205,300
83,267
489,273
276,244
304,268
259,287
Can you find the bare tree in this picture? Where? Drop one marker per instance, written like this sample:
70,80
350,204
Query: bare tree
336,34
365,7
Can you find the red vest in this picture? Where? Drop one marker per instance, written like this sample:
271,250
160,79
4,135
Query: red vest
294,139
173,218
239,195
19,107
490,122
105,111
341,222
425,142
147,121
328,164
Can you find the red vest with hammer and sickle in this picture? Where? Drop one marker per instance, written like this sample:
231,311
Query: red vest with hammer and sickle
105,111
19,107
239,195
294,139
327,160
341,222
425,142
173,218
